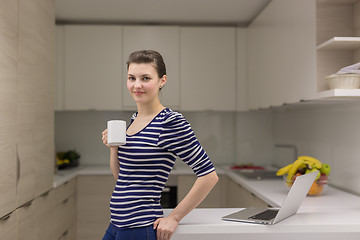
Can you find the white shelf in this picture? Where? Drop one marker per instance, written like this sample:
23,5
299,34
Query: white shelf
338,94
340,43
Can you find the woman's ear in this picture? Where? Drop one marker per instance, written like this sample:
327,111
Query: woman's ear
163,81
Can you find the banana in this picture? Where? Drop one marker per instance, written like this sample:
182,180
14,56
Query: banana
283,170
313,162
295,166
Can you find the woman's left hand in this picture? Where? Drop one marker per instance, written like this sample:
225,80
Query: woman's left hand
165,227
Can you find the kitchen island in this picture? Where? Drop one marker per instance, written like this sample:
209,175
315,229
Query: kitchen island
333,215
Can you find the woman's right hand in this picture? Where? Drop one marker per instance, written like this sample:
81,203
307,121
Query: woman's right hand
105,139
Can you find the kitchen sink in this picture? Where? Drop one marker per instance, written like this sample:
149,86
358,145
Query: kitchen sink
258,174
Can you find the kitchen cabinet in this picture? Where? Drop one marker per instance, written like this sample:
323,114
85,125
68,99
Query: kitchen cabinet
207,65
59,71
165,40
214,199
34,97
8,110
239,197
282,54
93,67
93,201
241,69
8,226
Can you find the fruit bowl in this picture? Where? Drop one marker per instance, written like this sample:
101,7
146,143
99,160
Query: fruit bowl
316,188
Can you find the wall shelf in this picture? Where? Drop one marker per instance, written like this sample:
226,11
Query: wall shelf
338,94
340,43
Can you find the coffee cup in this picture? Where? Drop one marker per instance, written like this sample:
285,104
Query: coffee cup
116,132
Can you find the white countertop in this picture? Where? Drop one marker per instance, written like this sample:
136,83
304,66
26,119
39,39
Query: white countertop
333,215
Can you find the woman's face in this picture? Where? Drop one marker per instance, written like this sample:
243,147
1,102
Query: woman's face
144,83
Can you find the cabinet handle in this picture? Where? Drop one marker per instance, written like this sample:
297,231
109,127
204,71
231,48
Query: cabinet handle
63,235
65,201
45,194
28,204
6,217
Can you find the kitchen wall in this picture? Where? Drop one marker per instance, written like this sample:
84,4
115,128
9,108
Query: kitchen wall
329,132
228,137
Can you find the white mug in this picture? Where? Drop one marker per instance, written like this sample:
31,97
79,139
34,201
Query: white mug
116,132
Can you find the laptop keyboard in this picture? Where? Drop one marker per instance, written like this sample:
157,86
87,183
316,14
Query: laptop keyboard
266,215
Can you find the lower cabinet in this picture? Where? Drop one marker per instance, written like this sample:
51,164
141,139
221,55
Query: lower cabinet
50,216
93,205
215,198
8,226
239,197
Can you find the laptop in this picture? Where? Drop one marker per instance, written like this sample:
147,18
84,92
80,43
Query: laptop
289,207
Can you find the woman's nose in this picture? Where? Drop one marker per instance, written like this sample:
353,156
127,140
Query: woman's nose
137,84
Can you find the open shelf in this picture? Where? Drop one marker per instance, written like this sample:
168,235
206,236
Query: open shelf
338,94
340,43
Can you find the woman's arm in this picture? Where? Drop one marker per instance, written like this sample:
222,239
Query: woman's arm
202,186
114,163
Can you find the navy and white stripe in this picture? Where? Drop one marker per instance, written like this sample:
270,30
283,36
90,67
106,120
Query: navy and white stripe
145,163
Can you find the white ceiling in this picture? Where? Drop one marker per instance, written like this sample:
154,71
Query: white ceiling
219,12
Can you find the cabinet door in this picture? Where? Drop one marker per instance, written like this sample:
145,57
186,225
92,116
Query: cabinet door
207,68
241,69
35,104
8,226
282,58
165,40
8,118
93,67
214,199
93,201
59,71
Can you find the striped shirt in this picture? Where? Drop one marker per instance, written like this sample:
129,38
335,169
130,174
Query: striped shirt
145,163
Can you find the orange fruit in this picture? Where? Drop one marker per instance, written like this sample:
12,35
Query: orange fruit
315,189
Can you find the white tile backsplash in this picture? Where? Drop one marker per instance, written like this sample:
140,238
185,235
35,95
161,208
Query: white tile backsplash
330,133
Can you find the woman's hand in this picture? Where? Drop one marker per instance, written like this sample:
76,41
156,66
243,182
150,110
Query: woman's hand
105,139
165,227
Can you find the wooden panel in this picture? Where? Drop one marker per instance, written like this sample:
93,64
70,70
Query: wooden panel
8,227
165,40
64,217
93,205
333,21
35,98
8,118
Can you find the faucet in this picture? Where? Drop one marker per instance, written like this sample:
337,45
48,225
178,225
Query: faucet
289,146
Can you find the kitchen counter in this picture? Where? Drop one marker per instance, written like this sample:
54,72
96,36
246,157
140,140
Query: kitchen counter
306,224
333,215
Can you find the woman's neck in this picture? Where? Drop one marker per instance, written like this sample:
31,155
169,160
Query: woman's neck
149,109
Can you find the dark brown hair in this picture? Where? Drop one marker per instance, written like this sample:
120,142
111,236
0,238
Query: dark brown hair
148,56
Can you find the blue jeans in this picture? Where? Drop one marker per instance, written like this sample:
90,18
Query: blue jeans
141,233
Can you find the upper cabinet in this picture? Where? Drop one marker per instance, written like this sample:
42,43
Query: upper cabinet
165,40
93,67
207,66
294,45
281,54
201,66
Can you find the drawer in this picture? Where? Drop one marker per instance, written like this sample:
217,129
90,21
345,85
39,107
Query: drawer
64,216
64,191
8,226
69,234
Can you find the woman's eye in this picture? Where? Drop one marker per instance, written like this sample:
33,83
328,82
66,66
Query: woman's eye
131,78
146,78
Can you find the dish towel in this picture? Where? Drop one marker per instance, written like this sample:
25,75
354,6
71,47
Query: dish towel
353,69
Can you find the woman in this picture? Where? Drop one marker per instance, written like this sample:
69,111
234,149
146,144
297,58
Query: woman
155,137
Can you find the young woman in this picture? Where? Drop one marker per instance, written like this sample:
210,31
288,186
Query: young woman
155,137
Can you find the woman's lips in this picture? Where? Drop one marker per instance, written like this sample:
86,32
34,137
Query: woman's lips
139,93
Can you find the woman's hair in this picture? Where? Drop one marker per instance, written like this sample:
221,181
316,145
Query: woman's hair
148,56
